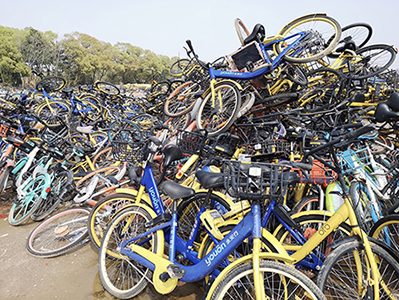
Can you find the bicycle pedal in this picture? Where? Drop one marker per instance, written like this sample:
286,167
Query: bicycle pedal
175,271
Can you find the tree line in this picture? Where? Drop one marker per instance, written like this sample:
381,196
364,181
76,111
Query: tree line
78,57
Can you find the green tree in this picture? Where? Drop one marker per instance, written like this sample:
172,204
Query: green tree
12,67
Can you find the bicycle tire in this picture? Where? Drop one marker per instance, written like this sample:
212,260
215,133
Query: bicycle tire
112,264
47,111
315,47
338,277
51,84
241,30
178,67
107,88
375,59
59,234
181,101
387,230
279,280
25,207
103,158
360,33
62,182
218,120
102,213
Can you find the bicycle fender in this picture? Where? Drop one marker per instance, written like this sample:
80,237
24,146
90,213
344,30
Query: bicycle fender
245,259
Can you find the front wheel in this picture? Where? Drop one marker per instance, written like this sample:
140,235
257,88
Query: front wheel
387,230
279,281
218,114
121,277
316,30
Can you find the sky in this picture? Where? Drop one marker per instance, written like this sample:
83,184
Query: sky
163,26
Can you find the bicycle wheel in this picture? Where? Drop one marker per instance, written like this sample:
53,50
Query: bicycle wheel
49,112
359,33
345,273
51,84
25,207
387,230
121,277
59,233
102,214
178,67
280,282
318,28
60,185
182,99
241,30
218,118
363,205
103,158
373,60
107,88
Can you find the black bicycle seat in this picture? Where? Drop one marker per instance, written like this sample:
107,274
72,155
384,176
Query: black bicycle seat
176,191
258,34
384,113
172,153
210,180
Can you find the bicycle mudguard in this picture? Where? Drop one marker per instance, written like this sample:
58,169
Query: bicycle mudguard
245,259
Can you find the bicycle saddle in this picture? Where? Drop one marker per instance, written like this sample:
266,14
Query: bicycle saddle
210,180
67,92
393,101
384,113
258,34
172,153
349,44
176,191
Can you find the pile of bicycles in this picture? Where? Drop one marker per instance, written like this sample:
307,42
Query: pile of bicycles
270,173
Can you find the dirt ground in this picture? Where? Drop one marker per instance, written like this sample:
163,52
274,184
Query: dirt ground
71,276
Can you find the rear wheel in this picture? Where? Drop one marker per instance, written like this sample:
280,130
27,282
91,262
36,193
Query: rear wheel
182,99
122,277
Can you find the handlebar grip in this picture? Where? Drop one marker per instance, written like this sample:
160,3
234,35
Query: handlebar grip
303,166
190,45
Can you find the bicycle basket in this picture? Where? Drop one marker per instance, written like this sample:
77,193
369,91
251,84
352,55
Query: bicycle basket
191,142
127,146
225,145
270,148
320,174
351,160
250,54
256,181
